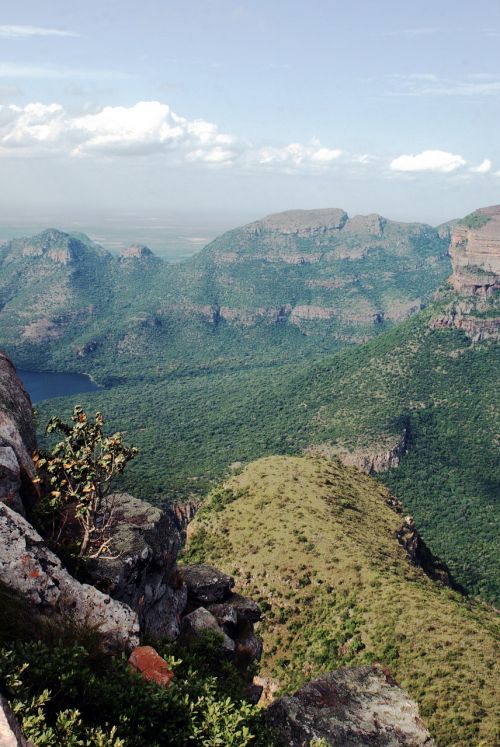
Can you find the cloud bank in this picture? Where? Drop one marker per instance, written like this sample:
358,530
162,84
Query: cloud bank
428,160
146,128
152,128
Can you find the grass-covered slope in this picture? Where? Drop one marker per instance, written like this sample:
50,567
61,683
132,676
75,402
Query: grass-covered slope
315,542
435,383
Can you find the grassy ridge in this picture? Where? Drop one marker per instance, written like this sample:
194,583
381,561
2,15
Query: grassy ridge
315,542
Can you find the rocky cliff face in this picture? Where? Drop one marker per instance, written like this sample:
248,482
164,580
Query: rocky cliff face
28,569
380,458
17,439
475,256
475,252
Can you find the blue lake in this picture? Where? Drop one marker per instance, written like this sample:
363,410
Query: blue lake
40,385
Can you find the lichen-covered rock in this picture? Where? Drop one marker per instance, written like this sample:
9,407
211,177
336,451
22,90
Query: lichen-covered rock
142,569
206,584
30,570
10,731
199,622
351,707
225,614
246,609
10,479
17,439
153,667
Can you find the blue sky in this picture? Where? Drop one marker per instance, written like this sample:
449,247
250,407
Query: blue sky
244,107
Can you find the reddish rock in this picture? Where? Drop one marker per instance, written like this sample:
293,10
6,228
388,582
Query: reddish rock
149,663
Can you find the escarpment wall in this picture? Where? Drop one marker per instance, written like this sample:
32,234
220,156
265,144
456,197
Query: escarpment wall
475,257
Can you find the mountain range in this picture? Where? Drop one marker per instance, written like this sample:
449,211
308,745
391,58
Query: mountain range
237,353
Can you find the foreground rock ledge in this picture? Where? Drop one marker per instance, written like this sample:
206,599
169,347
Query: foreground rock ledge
351,707
30,571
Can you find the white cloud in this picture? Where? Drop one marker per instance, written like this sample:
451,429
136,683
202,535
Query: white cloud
365,159
32,127
428,160
483,167
151,128
147,127
215,155
22,32
294,156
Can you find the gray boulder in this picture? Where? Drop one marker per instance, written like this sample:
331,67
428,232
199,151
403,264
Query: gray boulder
199,622
142,569
206,584
351,707
246,609
28,569
226,616
248,650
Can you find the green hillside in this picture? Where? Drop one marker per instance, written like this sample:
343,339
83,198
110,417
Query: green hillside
228,357
261,290
315,542
434,383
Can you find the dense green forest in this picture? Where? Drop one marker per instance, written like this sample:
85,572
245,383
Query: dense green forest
436,384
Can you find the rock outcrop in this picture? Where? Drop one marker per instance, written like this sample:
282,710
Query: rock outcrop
17,439
28,569
142,569
213,606
351,707
136,251
206,584
475,252
369,460
419,554
301,222
475,256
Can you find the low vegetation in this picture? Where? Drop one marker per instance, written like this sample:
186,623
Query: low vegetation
66,693
343,592
475,220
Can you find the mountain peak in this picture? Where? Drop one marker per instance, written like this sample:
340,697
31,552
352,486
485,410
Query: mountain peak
302,221
137,251
56,245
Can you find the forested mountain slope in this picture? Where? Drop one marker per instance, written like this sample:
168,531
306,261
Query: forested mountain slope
290,285
423,396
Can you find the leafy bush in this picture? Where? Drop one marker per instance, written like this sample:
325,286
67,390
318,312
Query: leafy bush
64,696
77,474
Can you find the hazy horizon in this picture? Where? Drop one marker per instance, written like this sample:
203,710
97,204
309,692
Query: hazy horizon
240,109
